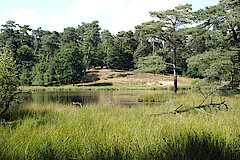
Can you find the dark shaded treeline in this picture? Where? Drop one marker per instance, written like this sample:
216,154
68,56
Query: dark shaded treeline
169,45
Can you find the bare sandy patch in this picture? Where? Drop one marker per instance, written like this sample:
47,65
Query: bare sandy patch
129,78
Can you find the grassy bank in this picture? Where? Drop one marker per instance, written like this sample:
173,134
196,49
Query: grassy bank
57,131
100,88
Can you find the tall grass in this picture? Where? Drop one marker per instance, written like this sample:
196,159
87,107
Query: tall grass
57,131
157,97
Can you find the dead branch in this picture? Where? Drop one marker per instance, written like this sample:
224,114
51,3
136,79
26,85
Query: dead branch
205,97
202,93
198,107
178,107
215,105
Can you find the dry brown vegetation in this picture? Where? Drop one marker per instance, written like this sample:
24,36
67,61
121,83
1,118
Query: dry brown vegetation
129,78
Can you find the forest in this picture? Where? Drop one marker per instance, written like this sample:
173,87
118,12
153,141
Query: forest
201,44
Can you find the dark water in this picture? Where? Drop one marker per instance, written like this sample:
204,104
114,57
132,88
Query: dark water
86,97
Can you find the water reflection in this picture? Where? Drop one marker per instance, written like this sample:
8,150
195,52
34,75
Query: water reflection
88,97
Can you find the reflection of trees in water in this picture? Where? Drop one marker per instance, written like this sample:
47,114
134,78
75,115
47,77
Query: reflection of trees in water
116,98
65,97
25,98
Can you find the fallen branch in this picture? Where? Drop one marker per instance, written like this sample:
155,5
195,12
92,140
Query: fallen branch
215,105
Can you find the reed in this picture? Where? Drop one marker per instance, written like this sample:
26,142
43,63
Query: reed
57,131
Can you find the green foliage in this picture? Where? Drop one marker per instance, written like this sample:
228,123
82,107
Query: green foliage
65,67
97,60
217,65
68,64
25,61
107,40
24,55
220,59
121,53
114,58
69,35
42,74
151,64
50,44
91,34
141,51
25,77
10,36
8,80
119,58
193,72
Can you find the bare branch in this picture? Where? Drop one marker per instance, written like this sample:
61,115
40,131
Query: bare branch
215,105
202,93
206,98
178,107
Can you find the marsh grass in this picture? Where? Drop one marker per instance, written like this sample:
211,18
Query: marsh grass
57,131
49,88
157,97
99,88
75,88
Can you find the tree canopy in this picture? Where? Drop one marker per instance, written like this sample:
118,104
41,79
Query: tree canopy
178,41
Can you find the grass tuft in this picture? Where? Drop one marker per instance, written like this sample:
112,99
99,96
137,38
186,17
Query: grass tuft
160,97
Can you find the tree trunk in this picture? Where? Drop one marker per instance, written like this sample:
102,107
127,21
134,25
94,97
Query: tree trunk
47,57
153,47
5,107
86,63
35,51
174,69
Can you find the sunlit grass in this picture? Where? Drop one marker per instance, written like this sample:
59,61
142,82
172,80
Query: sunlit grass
157,97
105,88
57,131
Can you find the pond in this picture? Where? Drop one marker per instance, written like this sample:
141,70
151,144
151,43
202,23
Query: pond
87,97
